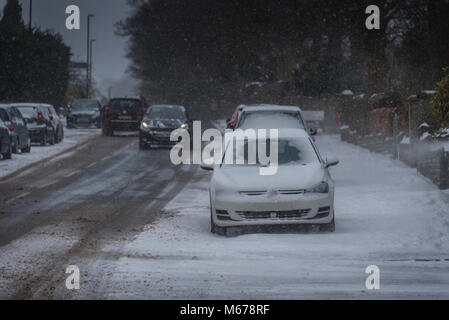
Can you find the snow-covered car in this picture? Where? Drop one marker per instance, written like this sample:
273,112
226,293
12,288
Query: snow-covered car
260,116
5,141
55,121
84,113
38,123
20,137
159,122
300,193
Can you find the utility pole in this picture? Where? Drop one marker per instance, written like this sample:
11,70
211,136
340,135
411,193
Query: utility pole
31,14
90,62
87,54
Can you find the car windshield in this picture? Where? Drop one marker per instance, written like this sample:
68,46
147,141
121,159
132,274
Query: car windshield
28,112
125,104
271,120
290,151
166,112
79,105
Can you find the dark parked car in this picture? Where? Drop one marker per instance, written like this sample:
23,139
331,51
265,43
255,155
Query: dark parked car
84,113
123,114
56,122
5,141
20,137
38,122
159,122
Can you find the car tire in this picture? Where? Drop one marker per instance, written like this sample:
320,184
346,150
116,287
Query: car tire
14,146
52,140
8,155
142,145
27,149
44,140
61,137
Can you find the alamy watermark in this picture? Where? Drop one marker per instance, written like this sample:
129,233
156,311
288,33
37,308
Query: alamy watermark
261,148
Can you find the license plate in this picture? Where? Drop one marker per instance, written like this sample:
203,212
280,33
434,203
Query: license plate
125,117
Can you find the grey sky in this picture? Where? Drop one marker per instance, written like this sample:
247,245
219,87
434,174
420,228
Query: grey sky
109,61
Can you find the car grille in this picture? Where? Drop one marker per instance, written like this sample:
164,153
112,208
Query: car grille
292,214
299,191
253,193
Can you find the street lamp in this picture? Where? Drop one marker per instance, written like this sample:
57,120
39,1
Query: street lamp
90,60
88,52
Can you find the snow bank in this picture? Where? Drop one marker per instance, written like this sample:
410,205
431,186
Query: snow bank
72,137
387,215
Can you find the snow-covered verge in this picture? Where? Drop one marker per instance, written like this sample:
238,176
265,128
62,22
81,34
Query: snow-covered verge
72,138
387,215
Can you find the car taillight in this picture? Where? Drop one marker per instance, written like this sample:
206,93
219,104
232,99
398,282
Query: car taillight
140,112
108,112
10,126
40,118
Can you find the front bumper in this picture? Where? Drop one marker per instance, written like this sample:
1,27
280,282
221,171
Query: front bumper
83,121
156,137
244,210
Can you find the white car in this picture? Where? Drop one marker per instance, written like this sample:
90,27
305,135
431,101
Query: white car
301,192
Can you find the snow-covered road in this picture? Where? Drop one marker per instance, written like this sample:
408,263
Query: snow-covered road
97,210
387,215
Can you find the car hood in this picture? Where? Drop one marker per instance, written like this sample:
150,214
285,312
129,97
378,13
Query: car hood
84,113
288,177
164,123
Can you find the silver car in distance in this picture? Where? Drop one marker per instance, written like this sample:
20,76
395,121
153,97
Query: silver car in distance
300,193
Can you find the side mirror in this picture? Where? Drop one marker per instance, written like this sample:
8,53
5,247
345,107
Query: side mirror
313,131
332,162
51,118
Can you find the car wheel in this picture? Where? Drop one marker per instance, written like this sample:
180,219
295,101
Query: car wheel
44,140
27,149
14,146
8,155
52,140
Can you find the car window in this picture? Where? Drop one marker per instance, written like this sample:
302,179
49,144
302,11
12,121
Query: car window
271,120
166,112
16,113
84,104
290,151
125,104
4,115
28,112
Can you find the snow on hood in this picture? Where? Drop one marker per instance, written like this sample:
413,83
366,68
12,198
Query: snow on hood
288,177
164,123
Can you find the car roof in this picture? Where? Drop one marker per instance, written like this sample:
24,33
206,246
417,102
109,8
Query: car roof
269,107
293,133
4,106
26,104
167,105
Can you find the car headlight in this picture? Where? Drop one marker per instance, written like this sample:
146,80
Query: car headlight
322,187
185,126
144,126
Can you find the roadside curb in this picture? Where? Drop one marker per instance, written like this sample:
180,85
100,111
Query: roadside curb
35,164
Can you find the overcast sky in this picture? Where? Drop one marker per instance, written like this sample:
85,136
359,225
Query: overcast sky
109,50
